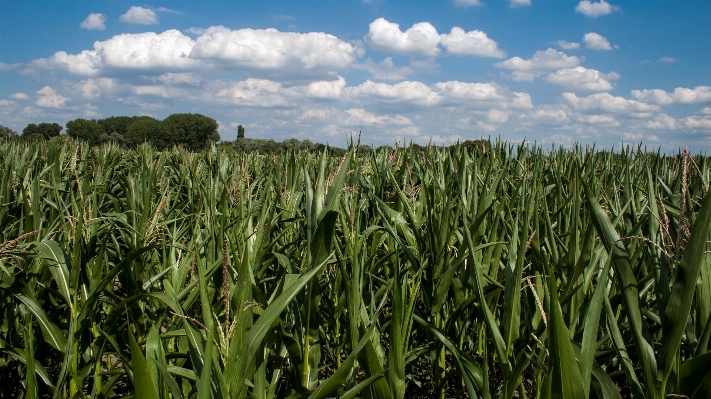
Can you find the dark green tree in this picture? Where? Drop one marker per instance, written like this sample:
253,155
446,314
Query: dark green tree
147,129
43,131
7,134
117,124
87,130
240,132
194,131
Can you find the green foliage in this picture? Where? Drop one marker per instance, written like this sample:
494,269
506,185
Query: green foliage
7,134
117,124
194,131
484,270
240,132
147,130
269,146
86,130
43,131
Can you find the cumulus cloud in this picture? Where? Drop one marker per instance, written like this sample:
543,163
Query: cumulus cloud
467,3
47,97
248,93
661,121
408,92
139,15
385,69
519,3
606,103
582,79
680,95
95,88
185,78
668,60
458,92
566,45
595,41
474,42
695,122
257,51
547,115
326,89
540,63
270,49
94,21
361,117
19,96
419,40
595,9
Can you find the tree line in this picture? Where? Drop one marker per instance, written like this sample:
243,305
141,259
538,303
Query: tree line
193,131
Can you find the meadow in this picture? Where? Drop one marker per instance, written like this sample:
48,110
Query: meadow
484,271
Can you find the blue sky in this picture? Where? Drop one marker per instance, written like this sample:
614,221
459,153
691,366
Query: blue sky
552,72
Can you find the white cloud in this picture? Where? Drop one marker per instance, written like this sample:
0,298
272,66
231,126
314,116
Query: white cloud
19,96
361,117
566,45
498,116
189,78
474,42
326,89
139,15
668,60
270,49
248,93
521,100
582,79
94,88
680,95
47,97
540,63
470,91
607,103
315,55
519,3
385,69
468,3
695,122
595,9
142,51
409,92
167,50
419,40
706,111
94,21
661,121
597,119
4,67
548,115
595,41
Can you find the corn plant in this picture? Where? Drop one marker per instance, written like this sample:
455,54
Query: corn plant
492,271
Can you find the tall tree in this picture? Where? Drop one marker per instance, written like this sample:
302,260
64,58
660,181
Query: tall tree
7,134
194,131
87,130
147,129
44,131
240,132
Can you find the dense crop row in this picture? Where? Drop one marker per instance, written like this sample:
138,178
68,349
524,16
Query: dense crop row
488,272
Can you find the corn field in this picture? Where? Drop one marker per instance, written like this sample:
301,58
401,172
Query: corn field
496,271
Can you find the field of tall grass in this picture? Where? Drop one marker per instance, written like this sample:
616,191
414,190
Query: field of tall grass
492,271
